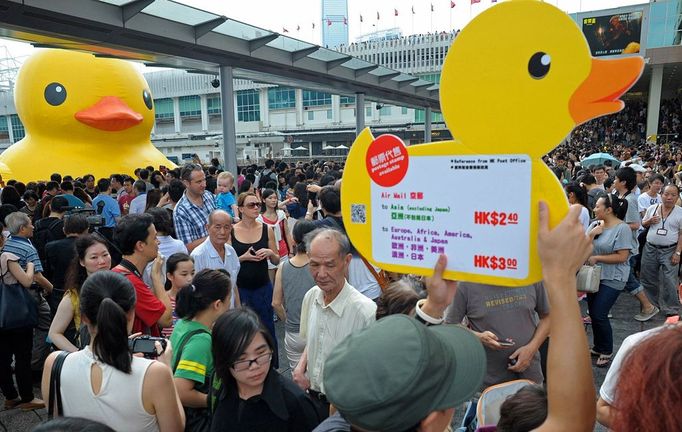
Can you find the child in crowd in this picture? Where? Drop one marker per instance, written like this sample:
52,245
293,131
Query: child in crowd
179,274
225,199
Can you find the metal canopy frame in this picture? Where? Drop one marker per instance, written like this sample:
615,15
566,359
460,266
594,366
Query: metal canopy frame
169,34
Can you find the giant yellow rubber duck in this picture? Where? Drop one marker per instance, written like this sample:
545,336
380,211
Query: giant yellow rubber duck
515,82
82,114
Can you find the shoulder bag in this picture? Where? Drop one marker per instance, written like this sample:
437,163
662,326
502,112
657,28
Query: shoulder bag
18,308
588,278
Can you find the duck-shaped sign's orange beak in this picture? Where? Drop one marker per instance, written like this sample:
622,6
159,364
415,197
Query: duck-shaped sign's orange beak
109,114
599,94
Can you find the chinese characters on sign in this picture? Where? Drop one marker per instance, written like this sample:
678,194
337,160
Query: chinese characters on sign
484,233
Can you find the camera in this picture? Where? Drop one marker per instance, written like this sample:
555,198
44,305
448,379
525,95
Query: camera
95,220
147,346
215,82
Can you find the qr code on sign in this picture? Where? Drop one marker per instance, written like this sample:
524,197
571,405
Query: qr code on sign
357,213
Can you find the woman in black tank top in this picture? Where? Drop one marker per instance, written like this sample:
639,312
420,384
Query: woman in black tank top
254,243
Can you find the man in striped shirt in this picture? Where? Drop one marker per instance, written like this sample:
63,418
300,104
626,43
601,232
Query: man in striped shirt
190,216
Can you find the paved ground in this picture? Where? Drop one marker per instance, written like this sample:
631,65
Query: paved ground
622,322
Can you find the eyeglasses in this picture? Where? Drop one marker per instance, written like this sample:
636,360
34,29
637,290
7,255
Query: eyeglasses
252,205
261,360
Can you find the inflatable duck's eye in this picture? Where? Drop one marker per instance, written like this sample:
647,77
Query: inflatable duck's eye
55,94
147,99
538,65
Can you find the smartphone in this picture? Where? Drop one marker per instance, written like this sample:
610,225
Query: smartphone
252,251
147,346
506,343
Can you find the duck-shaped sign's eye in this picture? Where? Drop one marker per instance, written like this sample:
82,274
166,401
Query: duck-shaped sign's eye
538,65
147,99
55,94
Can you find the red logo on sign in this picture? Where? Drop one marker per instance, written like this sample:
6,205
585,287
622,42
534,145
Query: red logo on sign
387,160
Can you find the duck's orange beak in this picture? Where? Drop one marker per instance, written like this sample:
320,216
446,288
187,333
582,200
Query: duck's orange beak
599,94
109,114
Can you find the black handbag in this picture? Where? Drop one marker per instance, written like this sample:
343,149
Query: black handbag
18,309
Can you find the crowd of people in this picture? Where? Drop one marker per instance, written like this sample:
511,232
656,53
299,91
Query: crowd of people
156,296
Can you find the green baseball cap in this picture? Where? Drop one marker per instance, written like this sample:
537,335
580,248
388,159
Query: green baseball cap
391,375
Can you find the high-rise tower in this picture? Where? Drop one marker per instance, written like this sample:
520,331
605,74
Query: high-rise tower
334,23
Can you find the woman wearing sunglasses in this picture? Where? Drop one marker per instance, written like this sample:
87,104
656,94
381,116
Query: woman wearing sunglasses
611,248
255,245
251,394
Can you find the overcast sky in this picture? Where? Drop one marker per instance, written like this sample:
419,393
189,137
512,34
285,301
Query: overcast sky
276,15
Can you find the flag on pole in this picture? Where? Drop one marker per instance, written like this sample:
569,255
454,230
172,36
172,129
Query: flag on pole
431,7
452,5
313,25
329,22
493,1
377,15
298,27
284,30
395,12
361,18
412,10
475,1
345,21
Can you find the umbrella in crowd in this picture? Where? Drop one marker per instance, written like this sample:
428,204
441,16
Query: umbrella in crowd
599,159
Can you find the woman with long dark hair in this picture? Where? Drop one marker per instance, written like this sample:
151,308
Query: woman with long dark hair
104,381
253,395
198,305
67,331
276,219
576,194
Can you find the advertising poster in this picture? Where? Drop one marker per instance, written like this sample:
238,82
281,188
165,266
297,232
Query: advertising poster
614,34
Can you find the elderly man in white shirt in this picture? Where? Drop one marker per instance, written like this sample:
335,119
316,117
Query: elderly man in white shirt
331,310
216,253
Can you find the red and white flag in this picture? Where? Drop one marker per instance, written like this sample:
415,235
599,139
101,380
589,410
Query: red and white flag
475,1
452,4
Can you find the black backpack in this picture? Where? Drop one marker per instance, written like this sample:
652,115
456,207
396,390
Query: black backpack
44,233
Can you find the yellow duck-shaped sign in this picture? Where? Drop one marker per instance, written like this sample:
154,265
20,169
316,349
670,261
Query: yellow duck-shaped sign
82,114
515,82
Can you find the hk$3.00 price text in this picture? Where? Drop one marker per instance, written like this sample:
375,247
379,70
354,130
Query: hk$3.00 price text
495,262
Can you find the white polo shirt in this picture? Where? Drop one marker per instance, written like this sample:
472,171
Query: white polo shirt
671,226
206,257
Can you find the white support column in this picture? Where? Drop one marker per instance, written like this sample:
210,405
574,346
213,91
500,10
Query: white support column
8,117
654,106
203,101
264,108
336,109
177,121
299,107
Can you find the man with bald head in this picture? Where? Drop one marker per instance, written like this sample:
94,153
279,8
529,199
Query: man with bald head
216,253
331,310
